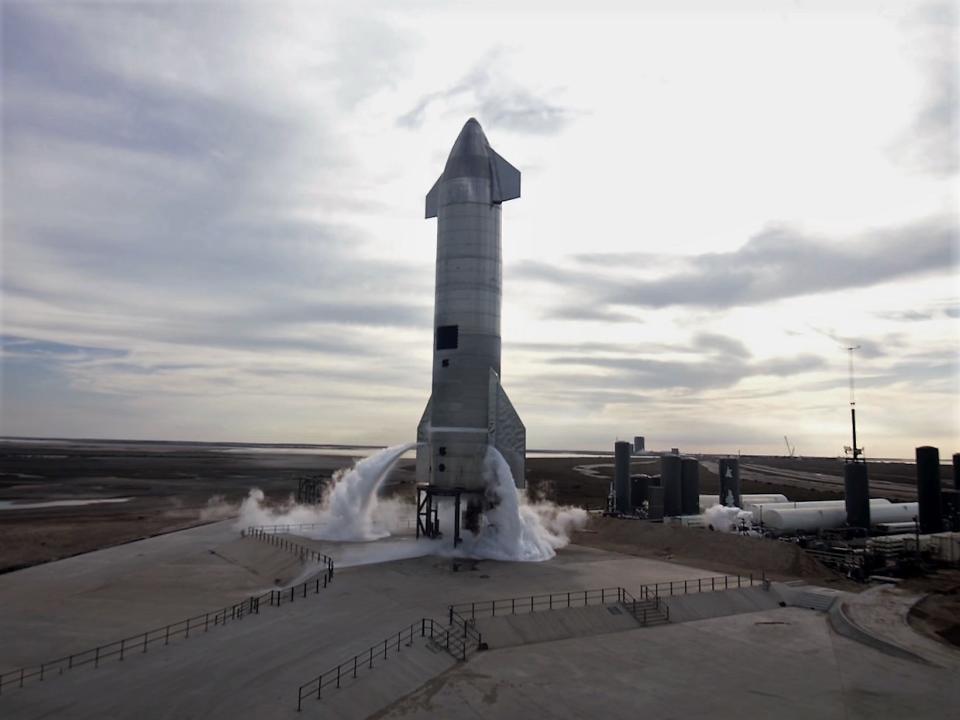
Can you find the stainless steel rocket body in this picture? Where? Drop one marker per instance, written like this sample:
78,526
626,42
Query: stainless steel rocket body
468,410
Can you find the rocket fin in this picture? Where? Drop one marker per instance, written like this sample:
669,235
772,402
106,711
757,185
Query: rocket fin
423,444
507,432
506,179
433,198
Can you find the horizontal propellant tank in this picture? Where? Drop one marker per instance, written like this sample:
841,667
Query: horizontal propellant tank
785,521
711,500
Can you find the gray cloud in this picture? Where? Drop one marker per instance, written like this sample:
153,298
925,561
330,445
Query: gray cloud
937,371
154,210
932,143
720,345
637,259
700,343
936,309
368,55
865,347
588,313
497,100
906,315
720,362
12,346
777,263
710,373
780,263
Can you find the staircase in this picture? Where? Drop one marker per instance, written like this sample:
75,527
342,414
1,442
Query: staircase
648,612
459,637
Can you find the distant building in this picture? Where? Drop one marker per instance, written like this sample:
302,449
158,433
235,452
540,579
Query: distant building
639,444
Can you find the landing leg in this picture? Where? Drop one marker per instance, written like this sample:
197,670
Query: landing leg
456,521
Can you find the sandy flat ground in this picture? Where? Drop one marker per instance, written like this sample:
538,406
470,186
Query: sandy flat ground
170,487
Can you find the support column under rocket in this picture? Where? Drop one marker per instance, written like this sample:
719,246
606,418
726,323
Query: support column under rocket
468,410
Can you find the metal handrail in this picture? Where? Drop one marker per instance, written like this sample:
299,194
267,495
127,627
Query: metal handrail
364,660
468,631
274,538
457,645
707,584
578,598
531,603
630,602
599,596
283,529
141,641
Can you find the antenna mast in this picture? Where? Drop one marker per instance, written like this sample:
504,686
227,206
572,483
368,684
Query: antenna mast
853,407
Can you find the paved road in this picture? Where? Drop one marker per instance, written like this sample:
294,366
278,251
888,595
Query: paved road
790,478
815,481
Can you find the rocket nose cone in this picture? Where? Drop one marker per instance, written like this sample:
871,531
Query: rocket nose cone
470,143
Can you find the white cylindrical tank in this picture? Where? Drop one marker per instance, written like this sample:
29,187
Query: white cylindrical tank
790,520
814,504
763,498
759,510
707,501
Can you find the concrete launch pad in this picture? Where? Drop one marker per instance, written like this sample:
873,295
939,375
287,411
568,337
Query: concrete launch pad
748,656
783,663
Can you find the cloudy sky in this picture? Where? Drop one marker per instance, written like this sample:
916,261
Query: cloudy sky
213,218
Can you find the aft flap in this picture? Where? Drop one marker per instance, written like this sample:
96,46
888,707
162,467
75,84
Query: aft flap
508,433
423,444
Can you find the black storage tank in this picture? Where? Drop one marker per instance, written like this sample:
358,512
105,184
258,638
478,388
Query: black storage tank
690,486
856,494
621,476
655,497
670,478
928,489
730,482
639,485
950,502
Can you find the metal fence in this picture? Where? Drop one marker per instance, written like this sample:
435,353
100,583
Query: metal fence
198,623
280,529
533,603
643,609
266,534
707,584
648,607
600,596
448,638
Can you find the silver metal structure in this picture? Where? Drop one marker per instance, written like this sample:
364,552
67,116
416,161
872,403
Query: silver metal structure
468,410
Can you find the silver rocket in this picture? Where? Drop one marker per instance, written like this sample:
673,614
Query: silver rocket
469,410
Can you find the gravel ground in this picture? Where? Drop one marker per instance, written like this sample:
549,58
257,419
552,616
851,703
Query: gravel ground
722,552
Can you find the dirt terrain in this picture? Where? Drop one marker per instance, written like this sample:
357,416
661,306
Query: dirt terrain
171,486
726,553
938,614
